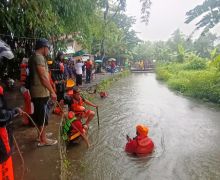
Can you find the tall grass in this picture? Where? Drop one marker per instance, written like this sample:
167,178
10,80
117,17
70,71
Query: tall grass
193,78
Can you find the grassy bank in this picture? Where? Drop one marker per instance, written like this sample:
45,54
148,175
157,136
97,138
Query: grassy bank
195,78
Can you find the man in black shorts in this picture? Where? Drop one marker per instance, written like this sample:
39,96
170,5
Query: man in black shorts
41,89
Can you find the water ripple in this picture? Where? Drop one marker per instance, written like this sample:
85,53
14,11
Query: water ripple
185,134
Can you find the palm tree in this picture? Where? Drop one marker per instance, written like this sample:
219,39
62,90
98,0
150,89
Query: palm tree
209,12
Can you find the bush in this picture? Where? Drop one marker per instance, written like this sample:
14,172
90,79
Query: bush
192,79
163,74
196,64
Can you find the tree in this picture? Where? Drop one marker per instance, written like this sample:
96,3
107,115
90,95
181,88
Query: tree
146,4
176,39
59,18
204,44
209,13
144,51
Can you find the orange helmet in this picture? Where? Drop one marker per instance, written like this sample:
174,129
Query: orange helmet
71,115
142,129
70,83
1,90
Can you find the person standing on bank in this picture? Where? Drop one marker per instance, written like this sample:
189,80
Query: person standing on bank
78,68
59,76
88,65
41,89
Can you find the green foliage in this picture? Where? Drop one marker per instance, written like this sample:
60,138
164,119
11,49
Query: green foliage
204,44
192,79
209,13
178,48
163,74
216,63
213,53
95,24
195,64
181,53
146,4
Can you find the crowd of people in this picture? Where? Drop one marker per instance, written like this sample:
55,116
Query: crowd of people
44,82
49,81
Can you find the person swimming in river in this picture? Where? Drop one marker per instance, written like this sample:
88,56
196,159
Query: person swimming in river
141,144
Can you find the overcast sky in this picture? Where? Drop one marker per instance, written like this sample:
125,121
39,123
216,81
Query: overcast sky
166,16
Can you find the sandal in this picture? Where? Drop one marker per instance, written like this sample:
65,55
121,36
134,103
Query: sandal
86,127
49,134
50,142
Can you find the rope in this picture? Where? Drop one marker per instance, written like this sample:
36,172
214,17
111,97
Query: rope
40,132
22,158
23,112
16,144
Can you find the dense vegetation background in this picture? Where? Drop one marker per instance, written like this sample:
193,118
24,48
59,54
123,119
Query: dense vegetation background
188,65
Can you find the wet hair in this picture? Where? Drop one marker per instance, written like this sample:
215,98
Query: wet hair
59,54
76,89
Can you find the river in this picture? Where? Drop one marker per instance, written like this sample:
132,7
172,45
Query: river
185,131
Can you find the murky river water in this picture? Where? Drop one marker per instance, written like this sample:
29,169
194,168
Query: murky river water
186,133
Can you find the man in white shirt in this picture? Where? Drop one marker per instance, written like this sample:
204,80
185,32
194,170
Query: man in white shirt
78,68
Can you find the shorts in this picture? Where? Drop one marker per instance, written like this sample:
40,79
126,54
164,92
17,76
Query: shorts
86,114
40,115
83,114
78,125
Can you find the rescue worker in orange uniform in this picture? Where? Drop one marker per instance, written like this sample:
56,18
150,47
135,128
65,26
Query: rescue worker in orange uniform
76,105
6,116
141,144
24,82
76,126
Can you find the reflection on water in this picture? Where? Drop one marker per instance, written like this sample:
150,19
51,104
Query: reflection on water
186,134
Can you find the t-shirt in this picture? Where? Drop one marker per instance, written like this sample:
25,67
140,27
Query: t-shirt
36,87
78,68
88,65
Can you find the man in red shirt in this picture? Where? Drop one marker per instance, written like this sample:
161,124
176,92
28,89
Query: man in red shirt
88,65
141,144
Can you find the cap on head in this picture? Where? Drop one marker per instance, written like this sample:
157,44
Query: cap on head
142,129
42,43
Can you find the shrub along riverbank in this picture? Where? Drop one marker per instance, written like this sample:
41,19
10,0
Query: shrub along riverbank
196,77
